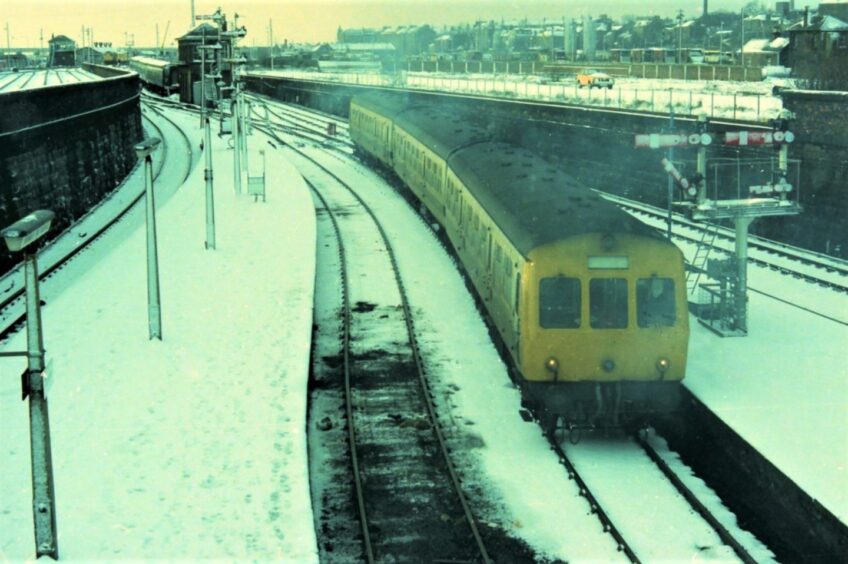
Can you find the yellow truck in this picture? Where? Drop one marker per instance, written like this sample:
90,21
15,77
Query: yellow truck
594,79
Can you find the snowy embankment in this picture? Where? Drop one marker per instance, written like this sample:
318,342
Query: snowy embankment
193,447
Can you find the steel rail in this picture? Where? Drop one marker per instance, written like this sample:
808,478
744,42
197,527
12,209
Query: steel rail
413,344
791,252
310,115
93,236
596,508
346,316
184,135
695,503
311,132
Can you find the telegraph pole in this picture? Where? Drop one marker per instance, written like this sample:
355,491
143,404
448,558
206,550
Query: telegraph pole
8,48
17,236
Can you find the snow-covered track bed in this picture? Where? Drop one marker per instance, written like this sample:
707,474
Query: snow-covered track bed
280,119
645,498
409,499
99,220
319,120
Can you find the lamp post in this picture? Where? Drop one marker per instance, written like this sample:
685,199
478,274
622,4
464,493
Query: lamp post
203,95
18,236
236,137
154,311
210,197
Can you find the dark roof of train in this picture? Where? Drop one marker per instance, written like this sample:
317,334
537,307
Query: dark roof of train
532,200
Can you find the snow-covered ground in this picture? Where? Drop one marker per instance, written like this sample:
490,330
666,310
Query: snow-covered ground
718,99
194,447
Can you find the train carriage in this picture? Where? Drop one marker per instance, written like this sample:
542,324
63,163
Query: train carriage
158,75
589,302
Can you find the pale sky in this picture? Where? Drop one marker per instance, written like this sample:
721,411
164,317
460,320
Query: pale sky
296,20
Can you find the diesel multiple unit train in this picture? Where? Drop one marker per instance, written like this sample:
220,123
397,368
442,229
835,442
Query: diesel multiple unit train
589,302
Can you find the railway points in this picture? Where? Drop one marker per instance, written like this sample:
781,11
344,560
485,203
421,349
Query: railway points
496,428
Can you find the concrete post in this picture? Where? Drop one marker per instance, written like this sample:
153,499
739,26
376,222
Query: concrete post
236,135
702,160
43,492
210,196
741,300
154,310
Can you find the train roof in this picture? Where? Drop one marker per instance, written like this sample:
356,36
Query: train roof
150,62
418,119
534,201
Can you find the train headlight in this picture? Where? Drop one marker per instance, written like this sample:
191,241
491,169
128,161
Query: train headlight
552,364
608,365
663,365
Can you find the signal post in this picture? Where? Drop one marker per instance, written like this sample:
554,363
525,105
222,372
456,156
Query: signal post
727,314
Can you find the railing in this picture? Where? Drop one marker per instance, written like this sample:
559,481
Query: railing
716,104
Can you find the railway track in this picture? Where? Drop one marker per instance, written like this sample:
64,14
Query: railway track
294,125
410,502
830,272
318,121
80,236
636,541
708,533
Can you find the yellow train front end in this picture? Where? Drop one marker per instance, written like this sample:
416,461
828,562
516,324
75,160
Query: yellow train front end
605,327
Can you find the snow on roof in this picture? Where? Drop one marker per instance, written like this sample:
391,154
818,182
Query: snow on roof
820,23
63,38
829,23
200,30
150,61
765,45
779,43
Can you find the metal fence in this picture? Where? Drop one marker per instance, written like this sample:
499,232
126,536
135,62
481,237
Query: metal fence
716,104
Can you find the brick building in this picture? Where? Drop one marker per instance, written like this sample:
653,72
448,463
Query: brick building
818,52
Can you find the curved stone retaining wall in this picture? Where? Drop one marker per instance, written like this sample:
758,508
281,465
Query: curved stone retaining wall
65,147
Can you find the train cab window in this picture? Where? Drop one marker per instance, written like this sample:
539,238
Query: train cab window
559,303
608,303
655,305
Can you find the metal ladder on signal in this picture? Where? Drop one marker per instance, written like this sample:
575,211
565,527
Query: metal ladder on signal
702,253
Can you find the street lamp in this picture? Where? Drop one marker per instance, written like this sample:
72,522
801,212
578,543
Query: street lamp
144,150
18,236
210,198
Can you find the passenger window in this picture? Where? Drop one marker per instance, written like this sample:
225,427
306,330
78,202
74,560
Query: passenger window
655,305
608,303
559,303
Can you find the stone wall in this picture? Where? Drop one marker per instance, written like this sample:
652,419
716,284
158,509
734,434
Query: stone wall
65,147
822,145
